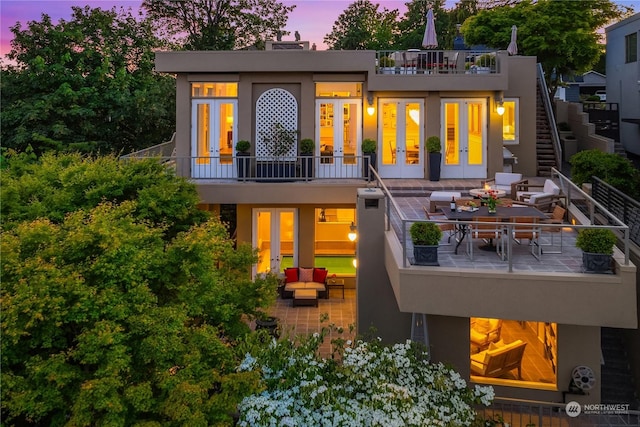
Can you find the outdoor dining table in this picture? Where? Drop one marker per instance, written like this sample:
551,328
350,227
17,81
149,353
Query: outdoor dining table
502,212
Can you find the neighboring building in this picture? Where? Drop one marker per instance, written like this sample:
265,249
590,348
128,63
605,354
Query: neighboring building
576,88
300,213
623,78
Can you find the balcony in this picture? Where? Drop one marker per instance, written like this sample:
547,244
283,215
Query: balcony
521,286
432,62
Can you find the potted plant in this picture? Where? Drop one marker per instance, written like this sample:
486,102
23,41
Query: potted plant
306,151
434,149
280,144
369,147
243,161
270,323
484,64
597,247
425,237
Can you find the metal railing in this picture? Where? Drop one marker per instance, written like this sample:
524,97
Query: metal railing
256,168
421,62
517,412
619,204
553,128
164,150
401,224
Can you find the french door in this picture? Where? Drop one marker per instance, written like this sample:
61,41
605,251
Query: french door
400,126
275,232
213,138
464,139
338,129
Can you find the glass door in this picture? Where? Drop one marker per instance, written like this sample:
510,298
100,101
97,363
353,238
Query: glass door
400,124
274,234
464,139
338,125
213,138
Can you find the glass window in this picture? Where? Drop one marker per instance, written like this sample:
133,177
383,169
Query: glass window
631,48
333,249
510,123
339,90
214,90
532,349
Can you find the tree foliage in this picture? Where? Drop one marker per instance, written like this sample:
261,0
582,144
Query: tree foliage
561,34
362,26
220,24
612,168
413,23
109,319
85,84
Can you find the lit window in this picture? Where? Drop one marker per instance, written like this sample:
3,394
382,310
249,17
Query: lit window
510,123
532,349
333,249
339,90
214,90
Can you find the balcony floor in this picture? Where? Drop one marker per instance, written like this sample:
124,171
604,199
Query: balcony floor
569,261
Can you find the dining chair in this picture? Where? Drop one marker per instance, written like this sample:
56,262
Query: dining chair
449,228
486,228
530,230
556,217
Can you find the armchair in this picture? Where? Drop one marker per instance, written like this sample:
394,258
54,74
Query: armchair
484,331
505,181
543,197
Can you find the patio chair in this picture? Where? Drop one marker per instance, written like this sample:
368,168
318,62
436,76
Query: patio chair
543,202
556,217
449,228
486,228
484,331
529,230
506,181
536,193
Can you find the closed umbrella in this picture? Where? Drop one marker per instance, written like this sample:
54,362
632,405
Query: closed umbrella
513,47
430,39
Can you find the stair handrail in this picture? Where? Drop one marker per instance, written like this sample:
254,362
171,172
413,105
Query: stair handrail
555,137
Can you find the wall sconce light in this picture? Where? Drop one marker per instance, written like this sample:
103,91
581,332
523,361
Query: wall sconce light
499,103
352,232
370,109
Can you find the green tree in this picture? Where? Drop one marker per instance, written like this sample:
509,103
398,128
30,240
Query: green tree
362,26
612,168
562,34
414,22
106,318
85,84
220,25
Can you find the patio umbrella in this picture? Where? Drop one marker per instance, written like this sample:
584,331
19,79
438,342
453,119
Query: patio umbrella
513,47
430,39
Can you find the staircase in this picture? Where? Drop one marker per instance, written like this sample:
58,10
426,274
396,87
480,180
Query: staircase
545,152
617,381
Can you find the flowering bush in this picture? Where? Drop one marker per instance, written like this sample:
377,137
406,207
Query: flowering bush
362,384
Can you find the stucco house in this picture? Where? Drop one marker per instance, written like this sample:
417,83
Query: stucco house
299,208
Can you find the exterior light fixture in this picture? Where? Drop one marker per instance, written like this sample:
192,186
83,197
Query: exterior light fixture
352,232
499,99
355,263
370,109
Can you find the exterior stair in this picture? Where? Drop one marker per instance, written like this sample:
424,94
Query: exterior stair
617,380
545,152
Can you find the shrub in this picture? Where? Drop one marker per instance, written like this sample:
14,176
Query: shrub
369,146
307,145
425,233
434,145
611,168
596,240
243,146
385,61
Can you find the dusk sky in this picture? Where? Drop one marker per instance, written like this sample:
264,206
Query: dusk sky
312,18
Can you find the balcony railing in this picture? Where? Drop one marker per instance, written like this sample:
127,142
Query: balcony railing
517,412
255,168
430,62
577,202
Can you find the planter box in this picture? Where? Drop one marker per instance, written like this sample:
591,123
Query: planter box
596,263
425,255
276,170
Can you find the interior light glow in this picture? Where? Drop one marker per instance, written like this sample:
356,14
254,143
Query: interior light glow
415,116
